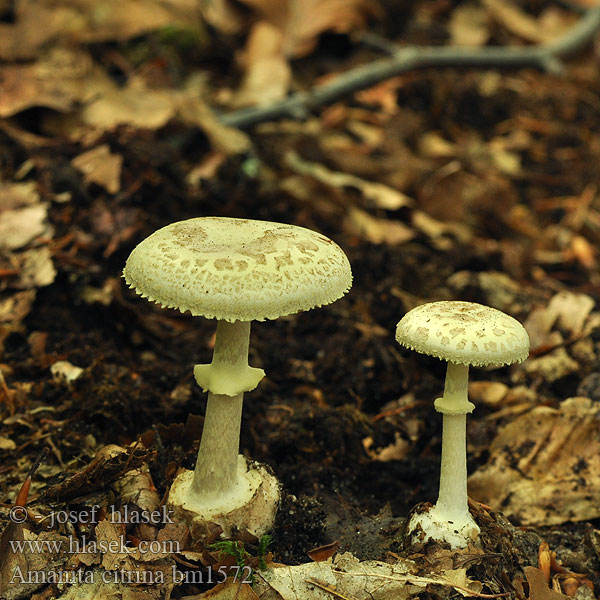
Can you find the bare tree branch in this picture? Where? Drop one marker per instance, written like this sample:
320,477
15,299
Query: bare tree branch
545,57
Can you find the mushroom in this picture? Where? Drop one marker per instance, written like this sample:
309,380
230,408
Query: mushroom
235,271
462,333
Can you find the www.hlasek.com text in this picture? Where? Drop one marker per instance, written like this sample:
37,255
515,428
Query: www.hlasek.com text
73,545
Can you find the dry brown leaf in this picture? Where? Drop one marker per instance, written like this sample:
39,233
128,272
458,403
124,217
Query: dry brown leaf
283,29
499,290
397,450
229,590
566,311
15,308
544,467
224,15
17,574
490,393
373,229
226,141
323,552
433,145
63,370
538,586
58,80
582,251
453,194
20,226
133,104
36,268
267,72
552,365
519,22
347,577
302,21
469,26
382,196
17,195
112,537
46,22
464,585
91,102
106,585
101,166
6,443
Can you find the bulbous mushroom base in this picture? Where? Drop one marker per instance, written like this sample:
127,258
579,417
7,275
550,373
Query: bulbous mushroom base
251,507
431,523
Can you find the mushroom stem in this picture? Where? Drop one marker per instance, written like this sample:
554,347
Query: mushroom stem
452,498
452,503
229,373
455,401
216,469
217,465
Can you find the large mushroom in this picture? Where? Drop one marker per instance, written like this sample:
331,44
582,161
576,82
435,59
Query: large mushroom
235,271
462,333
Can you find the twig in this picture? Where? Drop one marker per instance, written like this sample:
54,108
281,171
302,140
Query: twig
544,57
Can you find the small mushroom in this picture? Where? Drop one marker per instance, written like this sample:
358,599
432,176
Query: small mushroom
462,333
235,271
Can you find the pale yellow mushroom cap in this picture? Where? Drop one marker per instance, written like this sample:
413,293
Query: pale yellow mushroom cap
238,269
465,333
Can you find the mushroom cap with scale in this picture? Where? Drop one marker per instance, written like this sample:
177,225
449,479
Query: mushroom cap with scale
465,333
238,269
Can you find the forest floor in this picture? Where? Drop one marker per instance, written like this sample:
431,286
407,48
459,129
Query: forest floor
439,183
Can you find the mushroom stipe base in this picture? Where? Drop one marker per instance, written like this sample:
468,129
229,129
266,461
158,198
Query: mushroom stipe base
432,523
252,506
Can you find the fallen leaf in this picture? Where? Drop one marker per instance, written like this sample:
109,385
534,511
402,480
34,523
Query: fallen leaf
20,226
18,195
378,231
567,311
538,587
45,22
490,393
582,251
302,21
469,26
98,584
101,166
224,15
397,450
16,307
544,466
323,552
6,443
464,585
552,365
63,370
228,590
36,268
433,145
347,577
281,30
517,21
58,80
106,467
267,72
382,196
225,141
